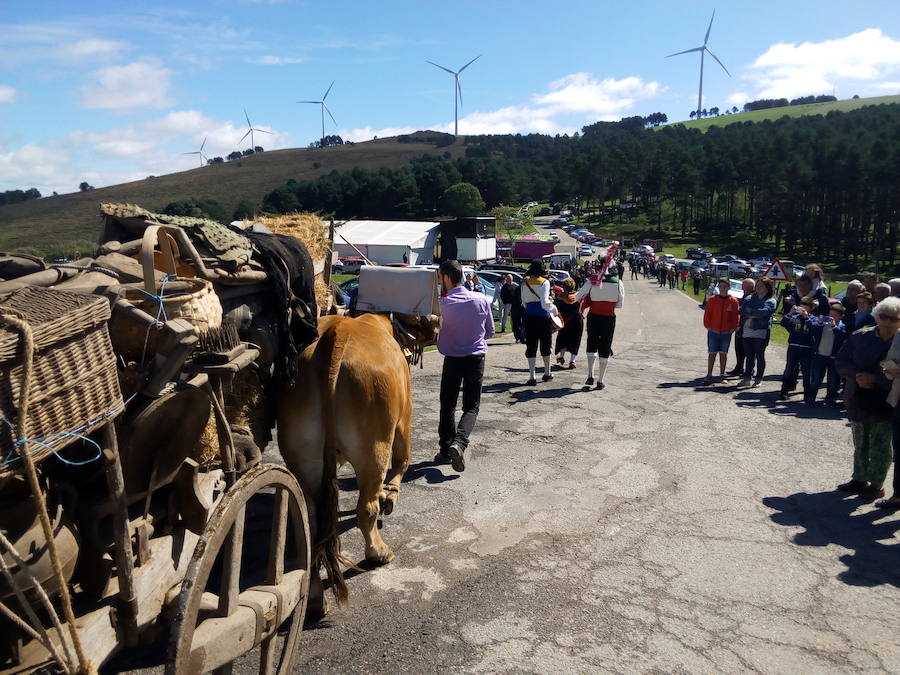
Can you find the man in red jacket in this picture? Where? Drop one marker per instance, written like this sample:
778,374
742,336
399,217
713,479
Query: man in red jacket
720,318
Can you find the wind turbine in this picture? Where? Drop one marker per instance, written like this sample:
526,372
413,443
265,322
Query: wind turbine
703,49
324,107
198,152
457,90
250,131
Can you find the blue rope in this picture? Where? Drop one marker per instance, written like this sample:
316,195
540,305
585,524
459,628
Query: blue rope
43,442
160,312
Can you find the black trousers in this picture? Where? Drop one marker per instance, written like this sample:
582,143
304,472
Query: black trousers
517,314
739,351
569,336
468,372
537,330
600,331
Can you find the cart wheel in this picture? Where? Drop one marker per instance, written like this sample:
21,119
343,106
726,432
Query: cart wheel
225,608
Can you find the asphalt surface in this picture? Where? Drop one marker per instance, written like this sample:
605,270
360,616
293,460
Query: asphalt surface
657,525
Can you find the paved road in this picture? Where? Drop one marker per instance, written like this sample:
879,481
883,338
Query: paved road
652,526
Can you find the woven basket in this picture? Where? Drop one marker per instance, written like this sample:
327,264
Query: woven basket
73,378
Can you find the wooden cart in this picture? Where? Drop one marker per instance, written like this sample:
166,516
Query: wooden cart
217,557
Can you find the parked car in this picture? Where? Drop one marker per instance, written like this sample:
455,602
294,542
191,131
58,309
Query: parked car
495,277
645,249
701,265
763,262
560,222
337,267
352,265
736,290
586,250
565,212
545,211
667,258
558,275
739,268
718,270
727,258
500,267
697,253
683,265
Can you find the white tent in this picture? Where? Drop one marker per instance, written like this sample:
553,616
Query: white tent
387,241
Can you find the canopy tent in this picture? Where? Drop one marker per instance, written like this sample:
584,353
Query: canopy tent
387,241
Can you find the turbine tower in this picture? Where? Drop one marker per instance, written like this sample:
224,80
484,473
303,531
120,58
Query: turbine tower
250,130
457,90
703,49
198,152
324,108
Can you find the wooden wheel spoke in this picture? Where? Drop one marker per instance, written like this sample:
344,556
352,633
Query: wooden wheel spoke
231,565
278,538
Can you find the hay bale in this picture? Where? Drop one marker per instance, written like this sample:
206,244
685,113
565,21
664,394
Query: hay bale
308,228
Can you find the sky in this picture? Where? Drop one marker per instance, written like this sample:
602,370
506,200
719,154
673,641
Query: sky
109,92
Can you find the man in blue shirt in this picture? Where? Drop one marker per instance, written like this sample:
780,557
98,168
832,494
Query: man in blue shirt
466,324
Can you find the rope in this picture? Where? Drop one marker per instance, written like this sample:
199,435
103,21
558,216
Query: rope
160,312
31,472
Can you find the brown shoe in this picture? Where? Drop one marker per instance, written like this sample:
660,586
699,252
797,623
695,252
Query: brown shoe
572,365
871,493
853,486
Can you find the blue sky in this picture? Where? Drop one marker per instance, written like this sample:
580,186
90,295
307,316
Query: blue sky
108,92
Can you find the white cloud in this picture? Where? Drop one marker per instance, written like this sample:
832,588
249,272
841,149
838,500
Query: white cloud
92,47
269,60
142,84
738,98
569,103
862,59
7,94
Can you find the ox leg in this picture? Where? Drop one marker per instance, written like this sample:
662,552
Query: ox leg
390,494
301,440
370,484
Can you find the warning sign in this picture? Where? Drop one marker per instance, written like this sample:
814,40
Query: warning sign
776,271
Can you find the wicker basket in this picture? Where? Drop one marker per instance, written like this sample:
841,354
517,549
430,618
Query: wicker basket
73,378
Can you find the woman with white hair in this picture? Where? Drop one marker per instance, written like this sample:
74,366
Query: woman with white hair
865,396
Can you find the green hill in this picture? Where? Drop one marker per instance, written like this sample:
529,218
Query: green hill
67,223
787,111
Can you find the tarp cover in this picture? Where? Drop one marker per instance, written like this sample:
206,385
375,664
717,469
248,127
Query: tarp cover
403,290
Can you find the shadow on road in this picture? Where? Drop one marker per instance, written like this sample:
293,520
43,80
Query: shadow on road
829,518
794,407
429,471
534,394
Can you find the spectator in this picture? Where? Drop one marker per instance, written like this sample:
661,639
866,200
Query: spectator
869,280
863,316
568,339
800,342
469,285
507,297
466,324
720,318
891,368
895,287
697,279
747,288
866,391
882,291
786,293
538,309
756,317
807,286
854,288
476,284
517,314
828,337
684,277
816,276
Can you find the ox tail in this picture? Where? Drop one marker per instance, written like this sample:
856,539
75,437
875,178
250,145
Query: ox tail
328,547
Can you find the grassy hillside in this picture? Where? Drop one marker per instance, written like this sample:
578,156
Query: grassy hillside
66,223
789,111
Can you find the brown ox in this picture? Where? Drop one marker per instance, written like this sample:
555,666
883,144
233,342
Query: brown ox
358,368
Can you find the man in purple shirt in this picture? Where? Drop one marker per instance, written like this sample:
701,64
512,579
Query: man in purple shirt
466,323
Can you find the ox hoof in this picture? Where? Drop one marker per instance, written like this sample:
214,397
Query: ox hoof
386,503
382,558
316,610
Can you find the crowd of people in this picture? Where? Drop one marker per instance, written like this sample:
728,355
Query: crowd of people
852,345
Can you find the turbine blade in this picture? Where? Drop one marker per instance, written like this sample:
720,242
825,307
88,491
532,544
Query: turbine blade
470,63
262,131
248,118
328,90
316,102
459,91
719,62
687,51
189,153
329,114
440,66
244,136
706,39
203,143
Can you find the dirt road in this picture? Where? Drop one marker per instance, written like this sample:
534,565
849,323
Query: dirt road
651,526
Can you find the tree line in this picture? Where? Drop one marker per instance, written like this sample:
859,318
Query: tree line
16,196
823,187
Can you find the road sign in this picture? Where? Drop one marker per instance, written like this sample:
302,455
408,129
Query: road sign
776,271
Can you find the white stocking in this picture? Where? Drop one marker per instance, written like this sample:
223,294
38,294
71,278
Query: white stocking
547,364
531,367
601,368
591,357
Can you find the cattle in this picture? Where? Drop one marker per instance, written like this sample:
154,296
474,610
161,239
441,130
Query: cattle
351,402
